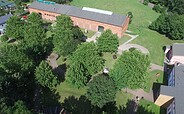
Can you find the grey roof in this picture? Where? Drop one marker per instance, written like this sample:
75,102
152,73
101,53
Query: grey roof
178,49
6,3
114,19
177,91
4,18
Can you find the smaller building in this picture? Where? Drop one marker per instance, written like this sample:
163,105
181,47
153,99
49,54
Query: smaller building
5,4
3,20
175,54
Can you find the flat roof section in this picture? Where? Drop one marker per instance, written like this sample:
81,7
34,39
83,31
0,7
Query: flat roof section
97,10
178,90
178,49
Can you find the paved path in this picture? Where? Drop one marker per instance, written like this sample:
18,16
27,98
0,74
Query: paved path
52,60
141,93
132,38
123,47
156,67
93,38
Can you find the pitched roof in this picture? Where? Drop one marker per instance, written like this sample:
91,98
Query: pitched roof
101,16
5,3
177,91
4,18
178,49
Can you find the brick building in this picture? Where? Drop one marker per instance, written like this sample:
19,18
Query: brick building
87,18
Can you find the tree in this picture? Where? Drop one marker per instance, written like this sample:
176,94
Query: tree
170,24
14,27
130,70
34,18
84,63
63,40
18,108
130,15
101,90
14,61
176,25
35,44
45,76
108,42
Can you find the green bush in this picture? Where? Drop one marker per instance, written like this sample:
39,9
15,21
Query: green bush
4,38
146,2
159,9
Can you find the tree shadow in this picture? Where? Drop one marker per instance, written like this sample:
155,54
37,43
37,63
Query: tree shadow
60,72
49,101
78,105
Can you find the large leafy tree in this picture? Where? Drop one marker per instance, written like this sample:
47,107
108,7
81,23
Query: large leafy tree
45,76
130,69
18,108
108,42
14,27
35,44
170,24
63,40
34,18
84,63
101,90
14,61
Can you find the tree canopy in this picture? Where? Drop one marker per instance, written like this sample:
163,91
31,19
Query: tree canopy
108,42
45,76
14,27
101,90
13,60
63,40
170,24
130,70
84,63
18,108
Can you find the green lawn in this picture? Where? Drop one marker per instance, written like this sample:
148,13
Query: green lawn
109,61
89,34
122,98
123,39
65,90
153,76
148,107
142,17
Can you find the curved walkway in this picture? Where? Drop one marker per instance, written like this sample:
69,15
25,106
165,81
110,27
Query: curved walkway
124,47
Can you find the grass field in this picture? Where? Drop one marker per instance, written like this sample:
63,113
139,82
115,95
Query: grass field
109,61
142,17
122,98
123,39
89,34
153,76
65,91
150,107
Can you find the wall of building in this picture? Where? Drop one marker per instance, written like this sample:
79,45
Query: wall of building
85,23
162,99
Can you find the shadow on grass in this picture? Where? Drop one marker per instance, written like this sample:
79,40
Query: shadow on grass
49,101
60,72
83,106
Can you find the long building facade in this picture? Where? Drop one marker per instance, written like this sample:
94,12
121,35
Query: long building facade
87,18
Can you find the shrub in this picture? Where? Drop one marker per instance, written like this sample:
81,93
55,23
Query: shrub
4,38
146,2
